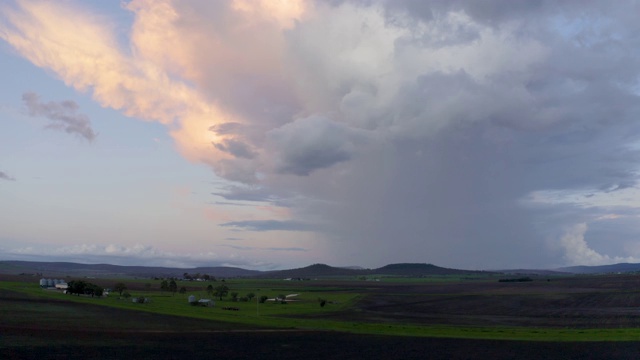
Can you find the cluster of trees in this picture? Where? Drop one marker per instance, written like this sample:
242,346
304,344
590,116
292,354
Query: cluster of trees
520,279
219,291
170,286
223,290
80,287
196,276
235,297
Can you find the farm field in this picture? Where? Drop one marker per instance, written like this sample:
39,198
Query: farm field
571,317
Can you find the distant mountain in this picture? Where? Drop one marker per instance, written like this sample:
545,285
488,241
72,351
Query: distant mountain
315,270
412,269
63,269
602,269
321,270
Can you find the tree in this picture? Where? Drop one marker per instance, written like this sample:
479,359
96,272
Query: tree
263,298
210,290
221,291
80,287
173,287
206,277
76,287
183,290
250,296
164,285
94,290
119,288
234,296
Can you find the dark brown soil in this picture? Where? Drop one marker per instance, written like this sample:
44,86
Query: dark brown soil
294,345
572,302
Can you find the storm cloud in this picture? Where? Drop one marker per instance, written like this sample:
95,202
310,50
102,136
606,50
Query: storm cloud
469,134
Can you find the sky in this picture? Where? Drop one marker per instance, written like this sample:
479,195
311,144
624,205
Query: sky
274,134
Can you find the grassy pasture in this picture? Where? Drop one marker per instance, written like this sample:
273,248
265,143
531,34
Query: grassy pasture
564,309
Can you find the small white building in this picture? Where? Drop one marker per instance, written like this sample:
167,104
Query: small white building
62,286
206,302
53,283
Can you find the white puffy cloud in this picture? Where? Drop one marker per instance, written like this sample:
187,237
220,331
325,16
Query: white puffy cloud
578,252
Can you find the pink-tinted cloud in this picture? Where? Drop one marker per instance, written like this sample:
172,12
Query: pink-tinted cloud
84,53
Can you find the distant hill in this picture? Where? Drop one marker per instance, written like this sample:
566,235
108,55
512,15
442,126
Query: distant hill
315,270
602,269
61,269
411,269
406,269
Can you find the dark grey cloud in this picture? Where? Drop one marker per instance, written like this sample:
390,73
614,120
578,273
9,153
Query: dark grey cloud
63,115
236,148
493,12
464,133
270,225
309,144
544,98
5,176
246,193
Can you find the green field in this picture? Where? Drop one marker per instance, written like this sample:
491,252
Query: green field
448,307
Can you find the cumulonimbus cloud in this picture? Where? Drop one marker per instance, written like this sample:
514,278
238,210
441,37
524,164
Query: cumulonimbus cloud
415,123
578,252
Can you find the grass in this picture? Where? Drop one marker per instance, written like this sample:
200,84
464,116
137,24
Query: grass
276,315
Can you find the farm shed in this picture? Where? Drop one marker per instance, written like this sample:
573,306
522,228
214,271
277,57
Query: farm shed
206,302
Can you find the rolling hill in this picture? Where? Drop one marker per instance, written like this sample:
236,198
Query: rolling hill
602,269
62,269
